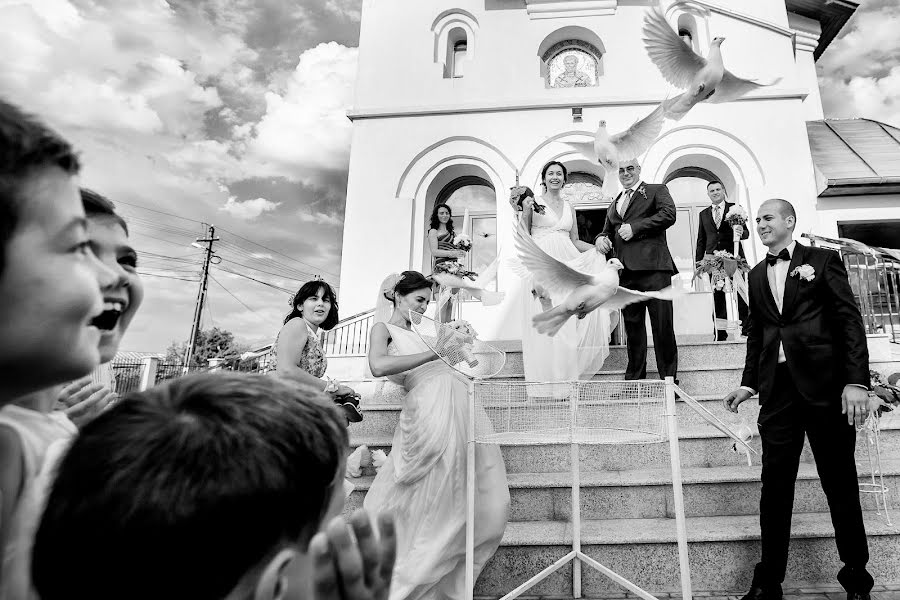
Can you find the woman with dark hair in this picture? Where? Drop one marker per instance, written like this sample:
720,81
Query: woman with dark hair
579,349
440,242
423,482
298,353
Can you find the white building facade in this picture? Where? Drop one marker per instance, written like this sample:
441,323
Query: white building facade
458,101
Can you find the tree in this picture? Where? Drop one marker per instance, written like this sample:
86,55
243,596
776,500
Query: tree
212,343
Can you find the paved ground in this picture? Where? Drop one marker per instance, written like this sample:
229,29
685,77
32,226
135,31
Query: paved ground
836,592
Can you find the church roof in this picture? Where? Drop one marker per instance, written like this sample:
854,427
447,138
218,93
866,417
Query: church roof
855,156
832,15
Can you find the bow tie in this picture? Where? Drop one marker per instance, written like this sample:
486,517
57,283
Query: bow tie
771,259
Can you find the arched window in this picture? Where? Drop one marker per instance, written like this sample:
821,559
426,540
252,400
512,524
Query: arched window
478,196
571,56
459,56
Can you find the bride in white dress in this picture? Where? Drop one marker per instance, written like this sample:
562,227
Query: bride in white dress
579,349
423,482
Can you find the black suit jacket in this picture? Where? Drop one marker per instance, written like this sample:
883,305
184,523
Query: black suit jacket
710,238
820,326
650,212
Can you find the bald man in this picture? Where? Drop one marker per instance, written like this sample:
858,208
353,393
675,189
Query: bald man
807,357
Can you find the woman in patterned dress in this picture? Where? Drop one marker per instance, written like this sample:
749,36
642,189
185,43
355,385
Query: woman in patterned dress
440,242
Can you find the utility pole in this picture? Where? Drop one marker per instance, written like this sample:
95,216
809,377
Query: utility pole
201,293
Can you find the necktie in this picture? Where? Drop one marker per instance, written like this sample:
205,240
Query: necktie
626,200
771,259
717,215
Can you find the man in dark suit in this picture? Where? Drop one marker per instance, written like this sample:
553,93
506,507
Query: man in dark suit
715,234
807,357
635,228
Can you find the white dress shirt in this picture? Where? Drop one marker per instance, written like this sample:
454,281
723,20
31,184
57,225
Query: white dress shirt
620,205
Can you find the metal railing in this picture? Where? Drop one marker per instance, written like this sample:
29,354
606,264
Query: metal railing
350,337
874,275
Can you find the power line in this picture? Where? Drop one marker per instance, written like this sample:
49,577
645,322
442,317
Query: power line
257,281
158,211
279,253
235,297
144,274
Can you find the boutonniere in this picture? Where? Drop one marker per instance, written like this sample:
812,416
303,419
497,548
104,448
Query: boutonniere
804,272
643,191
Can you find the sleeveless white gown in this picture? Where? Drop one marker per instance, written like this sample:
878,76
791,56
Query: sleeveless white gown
579,349
423,482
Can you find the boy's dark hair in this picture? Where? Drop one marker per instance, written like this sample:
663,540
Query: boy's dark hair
178,491
26,145
96,205
311,289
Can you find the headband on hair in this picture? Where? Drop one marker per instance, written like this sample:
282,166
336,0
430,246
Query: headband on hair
390,286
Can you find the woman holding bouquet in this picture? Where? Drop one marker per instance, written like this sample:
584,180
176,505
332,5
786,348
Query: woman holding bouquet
578,350
443,250
423,482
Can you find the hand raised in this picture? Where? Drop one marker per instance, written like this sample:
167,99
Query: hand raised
82,400
345,568
735,399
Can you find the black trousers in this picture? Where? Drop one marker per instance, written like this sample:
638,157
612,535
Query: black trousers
784,418
721,307
661,323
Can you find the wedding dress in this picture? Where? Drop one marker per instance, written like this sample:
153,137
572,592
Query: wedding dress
579,349
423,482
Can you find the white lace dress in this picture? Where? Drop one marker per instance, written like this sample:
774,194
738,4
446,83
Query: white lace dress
579,349
423,482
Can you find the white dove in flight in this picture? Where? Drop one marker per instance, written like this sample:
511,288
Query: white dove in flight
611,150
477,288
704,78
586,292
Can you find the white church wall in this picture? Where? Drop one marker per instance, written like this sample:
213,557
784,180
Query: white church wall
833,210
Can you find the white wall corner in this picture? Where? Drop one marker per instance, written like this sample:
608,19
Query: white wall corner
555,9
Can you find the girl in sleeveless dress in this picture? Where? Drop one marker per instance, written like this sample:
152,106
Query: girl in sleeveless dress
423,482
298,353
440,242
579,349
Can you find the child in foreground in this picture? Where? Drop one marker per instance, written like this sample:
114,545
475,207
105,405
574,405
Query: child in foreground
210,486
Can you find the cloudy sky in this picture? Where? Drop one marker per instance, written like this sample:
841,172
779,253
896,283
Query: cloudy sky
232,113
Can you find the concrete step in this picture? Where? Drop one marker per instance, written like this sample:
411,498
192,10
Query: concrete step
722,552
699,447
647,493
381,419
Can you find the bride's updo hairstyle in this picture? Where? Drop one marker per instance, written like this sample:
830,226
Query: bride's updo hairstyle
409,282
547,168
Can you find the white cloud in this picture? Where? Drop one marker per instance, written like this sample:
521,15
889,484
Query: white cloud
320,219
248,209
349,9
306,128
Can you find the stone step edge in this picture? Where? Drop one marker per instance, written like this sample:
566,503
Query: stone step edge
652,477
516,345
383,406
618,532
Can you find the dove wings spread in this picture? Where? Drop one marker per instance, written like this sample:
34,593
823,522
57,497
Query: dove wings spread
677,61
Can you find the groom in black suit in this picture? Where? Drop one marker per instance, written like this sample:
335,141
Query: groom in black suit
635,227
715,234
807,357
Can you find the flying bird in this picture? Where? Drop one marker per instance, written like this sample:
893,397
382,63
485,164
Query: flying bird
477,289
705,79
611,150
585,292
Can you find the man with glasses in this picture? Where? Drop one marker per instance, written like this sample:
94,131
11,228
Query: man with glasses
715,234
635,228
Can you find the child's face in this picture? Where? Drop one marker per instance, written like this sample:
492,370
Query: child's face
50,289
121,300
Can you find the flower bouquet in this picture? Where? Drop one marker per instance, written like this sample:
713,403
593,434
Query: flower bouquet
462,241
721,266
736,216
888,391
456,340
451,267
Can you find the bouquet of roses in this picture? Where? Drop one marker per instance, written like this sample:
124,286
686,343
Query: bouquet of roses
888,391
736,216
462,241
451,267
455,342
721,266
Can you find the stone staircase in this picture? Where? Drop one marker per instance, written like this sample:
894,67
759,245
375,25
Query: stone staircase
626,498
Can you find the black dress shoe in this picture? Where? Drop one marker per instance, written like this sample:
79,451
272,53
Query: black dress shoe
858,596
759,593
